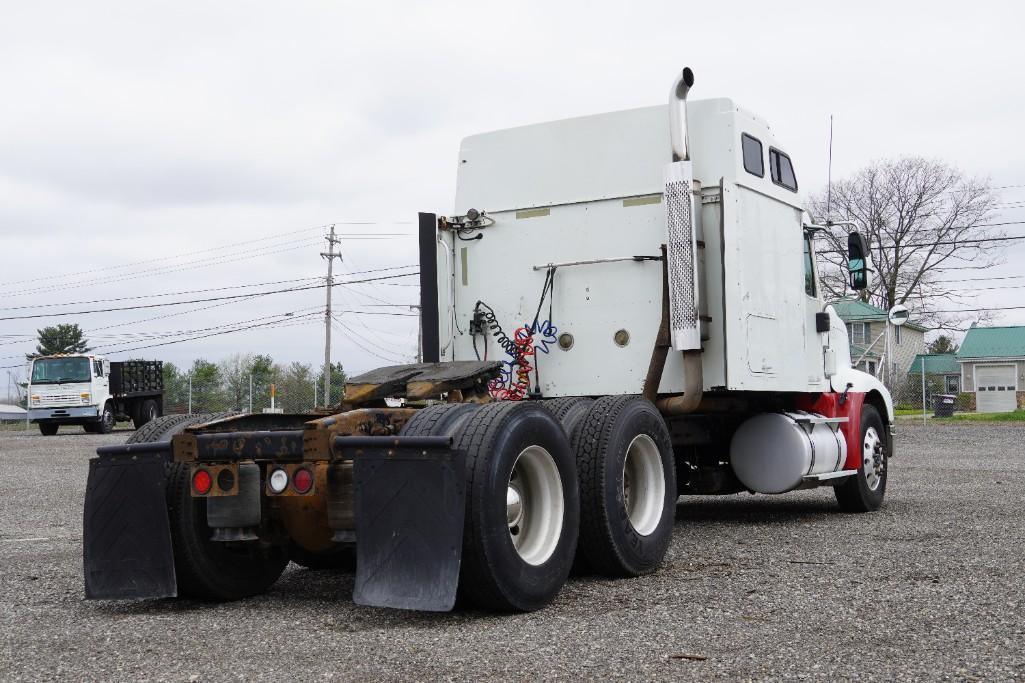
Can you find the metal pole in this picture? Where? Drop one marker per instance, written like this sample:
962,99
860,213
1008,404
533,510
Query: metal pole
419,333
190,393
314,395
923,389
330,256
250,393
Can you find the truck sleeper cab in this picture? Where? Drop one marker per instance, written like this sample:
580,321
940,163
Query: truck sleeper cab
623,309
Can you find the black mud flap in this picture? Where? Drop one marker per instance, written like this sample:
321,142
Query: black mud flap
409,504
126,536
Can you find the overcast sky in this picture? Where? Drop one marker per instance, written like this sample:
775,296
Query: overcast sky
150,130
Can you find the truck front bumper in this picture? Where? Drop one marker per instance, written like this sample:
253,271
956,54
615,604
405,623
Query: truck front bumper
64,415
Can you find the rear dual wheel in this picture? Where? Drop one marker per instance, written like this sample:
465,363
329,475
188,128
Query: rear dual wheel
627,486
522,506
207,569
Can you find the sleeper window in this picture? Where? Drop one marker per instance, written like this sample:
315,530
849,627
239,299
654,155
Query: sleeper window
782,170
753,162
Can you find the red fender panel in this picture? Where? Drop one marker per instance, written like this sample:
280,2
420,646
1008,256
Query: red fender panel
829,405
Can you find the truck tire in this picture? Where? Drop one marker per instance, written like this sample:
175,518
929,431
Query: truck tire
627,486
864,491
569,411
443,419
48,428
522,507
205,569
145,413
105,425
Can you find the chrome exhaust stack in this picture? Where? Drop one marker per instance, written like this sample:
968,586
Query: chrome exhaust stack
684,286
678,114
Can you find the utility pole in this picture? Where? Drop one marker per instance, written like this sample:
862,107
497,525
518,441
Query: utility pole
330,255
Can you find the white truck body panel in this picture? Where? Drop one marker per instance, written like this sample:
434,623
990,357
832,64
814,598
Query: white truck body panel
591,188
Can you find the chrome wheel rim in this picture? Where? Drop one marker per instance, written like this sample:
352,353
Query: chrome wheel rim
534,505
644,484
873,459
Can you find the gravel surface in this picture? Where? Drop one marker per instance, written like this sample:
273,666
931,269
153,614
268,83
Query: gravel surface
755,587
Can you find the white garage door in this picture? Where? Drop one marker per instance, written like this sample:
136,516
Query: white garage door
994,388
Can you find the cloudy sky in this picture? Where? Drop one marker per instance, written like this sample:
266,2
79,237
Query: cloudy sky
159,147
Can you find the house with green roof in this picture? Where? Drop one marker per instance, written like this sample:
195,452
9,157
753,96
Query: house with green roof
942,376
939,366
992,361
867,330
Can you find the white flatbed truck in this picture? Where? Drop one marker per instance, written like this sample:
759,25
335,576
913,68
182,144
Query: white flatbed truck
622,309
91,391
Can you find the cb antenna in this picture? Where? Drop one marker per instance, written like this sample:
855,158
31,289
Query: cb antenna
829,172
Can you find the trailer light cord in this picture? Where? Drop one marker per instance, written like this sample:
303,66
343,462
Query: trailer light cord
513,382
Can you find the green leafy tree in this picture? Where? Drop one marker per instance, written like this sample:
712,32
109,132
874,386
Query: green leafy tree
176,389
295,387
943,344
338,378
62,338
207,391
264,374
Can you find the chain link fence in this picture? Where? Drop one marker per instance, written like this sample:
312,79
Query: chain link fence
297,395
914,394
294,388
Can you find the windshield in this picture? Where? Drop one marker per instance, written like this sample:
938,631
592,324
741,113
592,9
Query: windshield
54,370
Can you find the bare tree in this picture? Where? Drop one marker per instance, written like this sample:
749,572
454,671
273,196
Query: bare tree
235,371
924,220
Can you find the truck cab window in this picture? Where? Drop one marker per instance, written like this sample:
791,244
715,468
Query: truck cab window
98,368
782,170
809,268
753,162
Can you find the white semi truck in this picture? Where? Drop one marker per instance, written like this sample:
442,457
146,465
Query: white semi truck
91,391
622,310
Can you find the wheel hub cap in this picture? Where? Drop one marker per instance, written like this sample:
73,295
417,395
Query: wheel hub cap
873,458
534,505
644,485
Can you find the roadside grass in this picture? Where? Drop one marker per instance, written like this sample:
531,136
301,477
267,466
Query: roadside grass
1016,416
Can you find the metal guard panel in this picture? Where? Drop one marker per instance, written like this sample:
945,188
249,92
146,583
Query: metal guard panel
286,444
409,502
126,536
681,245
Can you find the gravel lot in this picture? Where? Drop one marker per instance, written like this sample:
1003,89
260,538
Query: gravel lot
754,587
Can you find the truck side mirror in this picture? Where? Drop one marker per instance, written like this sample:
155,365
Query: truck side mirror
859,262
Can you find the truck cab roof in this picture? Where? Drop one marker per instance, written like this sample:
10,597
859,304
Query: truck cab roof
614,155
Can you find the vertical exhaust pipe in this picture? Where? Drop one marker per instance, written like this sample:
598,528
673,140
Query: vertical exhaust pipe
682,257
678,114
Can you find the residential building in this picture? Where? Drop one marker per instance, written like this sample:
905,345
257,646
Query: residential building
942,371
867,328
992,363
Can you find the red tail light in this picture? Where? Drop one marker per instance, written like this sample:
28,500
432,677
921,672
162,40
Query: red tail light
201,482
302,480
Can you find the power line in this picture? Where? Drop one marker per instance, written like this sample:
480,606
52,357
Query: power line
151,296
353,338
174,268
247,242
268,325
191,301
